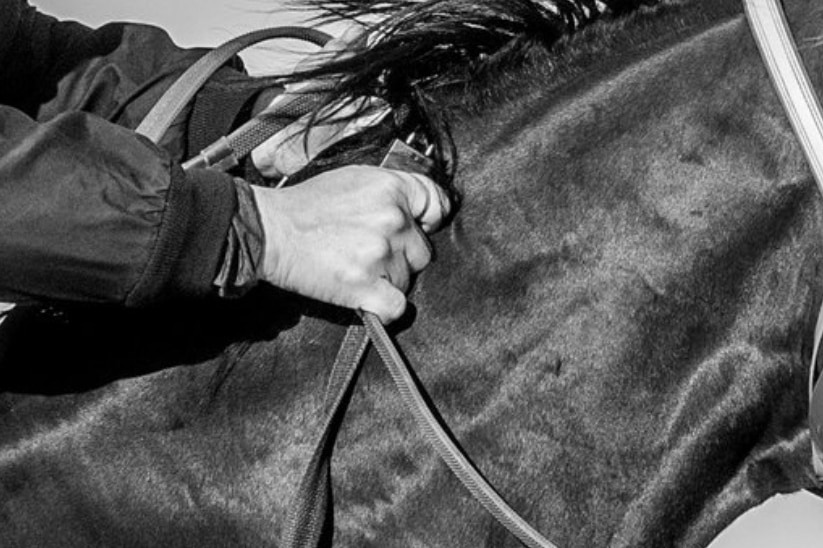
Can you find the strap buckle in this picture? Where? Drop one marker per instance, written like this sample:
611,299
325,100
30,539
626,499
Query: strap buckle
403,156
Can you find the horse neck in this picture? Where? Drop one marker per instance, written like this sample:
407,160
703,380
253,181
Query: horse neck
806,21
634,267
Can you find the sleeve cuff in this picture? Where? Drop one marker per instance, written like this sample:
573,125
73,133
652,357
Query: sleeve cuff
190,245
239,272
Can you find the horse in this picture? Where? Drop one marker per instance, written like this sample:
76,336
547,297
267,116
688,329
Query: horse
617,326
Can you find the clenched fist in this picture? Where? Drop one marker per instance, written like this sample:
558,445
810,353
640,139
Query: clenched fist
351,236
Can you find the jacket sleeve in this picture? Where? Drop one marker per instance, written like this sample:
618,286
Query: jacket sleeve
90,211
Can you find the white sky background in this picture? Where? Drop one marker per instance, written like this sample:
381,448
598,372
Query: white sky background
794,521
194,23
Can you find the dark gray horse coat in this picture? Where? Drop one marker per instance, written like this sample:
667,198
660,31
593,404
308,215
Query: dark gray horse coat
617,325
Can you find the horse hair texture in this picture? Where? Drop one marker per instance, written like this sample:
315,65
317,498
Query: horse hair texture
418,50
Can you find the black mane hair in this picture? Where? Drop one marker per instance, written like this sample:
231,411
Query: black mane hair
419,49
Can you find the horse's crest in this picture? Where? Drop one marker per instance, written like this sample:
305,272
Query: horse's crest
413,52
432,44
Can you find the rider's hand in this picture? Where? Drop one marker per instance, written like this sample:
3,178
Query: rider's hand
350,237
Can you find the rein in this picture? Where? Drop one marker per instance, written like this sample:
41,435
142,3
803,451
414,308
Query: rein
779,52
306,526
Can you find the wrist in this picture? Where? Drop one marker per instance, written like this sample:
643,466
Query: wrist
269,211
243,255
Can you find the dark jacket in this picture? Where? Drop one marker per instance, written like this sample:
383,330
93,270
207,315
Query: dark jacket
89,210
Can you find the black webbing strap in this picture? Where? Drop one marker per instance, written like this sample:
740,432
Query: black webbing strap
311,518
311,514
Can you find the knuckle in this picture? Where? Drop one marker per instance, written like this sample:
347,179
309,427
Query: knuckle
353,276
394,184
392,219
373,251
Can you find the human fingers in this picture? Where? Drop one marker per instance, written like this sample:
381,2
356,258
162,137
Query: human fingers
417,249
398,272
385,300
428,202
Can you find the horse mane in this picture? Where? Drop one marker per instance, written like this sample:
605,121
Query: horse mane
411,53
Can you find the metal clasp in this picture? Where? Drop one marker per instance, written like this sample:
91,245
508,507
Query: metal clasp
403,156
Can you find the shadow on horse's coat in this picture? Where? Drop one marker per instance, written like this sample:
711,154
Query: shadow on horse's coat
616,327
